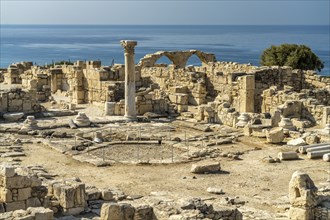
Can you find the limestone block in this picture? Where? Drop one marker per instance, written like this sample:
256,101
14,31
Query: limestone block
33,202
302,190
300,213
179,89
214,190
275,135
13,116
144,108
27,107
297,142
107,195
291,108
182,108
5,195
17,182
17,102
24,194
144,213
67,197
73,211
325,115
80,194
7,171
114,211
41,213
21,214
15,206
206,167
110,108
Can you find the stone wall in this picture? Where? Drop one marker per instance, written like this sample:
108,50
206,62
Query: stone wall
19,191
146,101
314,105
14,71
185,81
18,100
37,80
222,80
67,196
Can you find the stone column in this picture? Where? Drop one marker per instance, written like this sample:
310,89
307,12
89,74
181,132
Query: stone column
130,108
247,93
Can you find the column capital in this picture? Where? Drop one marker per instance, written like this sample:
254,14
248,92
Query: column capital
128,45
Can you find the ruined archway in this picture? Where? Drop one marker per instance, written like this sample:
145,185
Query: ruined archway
194,60
178,58
163,61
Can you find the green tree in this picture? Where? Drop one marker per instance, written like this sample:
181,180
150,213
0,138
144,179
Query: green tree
296,56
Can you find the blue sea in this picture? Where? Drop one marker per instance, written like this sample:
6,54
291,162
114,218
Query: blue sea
243,44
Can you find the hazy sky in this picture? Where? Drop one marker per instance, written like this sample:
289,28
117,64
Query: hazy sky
308,12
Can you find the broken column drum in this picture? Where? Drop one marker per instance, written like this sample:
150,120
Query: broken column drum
286,124
30,123
130,108
243,120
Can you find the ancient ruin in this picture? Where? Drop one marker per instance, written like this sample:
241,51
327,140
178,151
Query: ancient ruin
215,141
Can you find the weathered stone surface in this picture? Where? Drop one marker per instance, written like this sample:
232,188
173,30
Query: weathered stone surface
302,191
144,212
93,193
291,155
7,171
275,135
13,116
12,206
24,193
82,120
41,213
115,211
206,167
326,157
297,142
107,194
215,190
300,213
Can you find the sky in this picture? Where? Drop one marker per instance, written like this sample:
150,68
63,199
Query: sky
157,12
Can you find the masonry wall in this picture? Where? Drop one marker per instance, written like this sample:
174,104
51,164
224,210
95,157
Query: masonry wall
315,103
169,79
18,100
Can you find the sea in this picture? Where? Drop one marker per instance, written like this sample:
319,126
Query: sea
44,44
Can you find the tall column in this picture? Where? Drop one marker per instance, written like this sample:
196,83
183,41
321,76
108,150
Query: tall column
130,108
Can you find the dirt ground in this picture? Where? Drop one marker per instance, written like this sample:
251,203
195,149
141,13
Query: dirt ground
262,185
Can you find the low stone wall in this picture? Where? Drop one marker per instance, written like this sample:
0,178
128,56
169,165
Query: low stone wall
148,101
67,196
18,100
20,191
187,81
314,104
32,213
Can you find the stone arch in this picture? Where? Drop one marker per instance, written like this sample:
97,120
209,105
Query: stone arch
178,58
194,60
163,60
205,57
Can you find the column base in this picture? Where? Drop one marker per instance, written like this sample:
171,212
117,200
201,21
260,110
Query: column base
130,118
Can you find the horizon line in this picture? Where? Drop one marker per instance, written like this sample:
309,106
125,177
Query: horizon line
179,24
